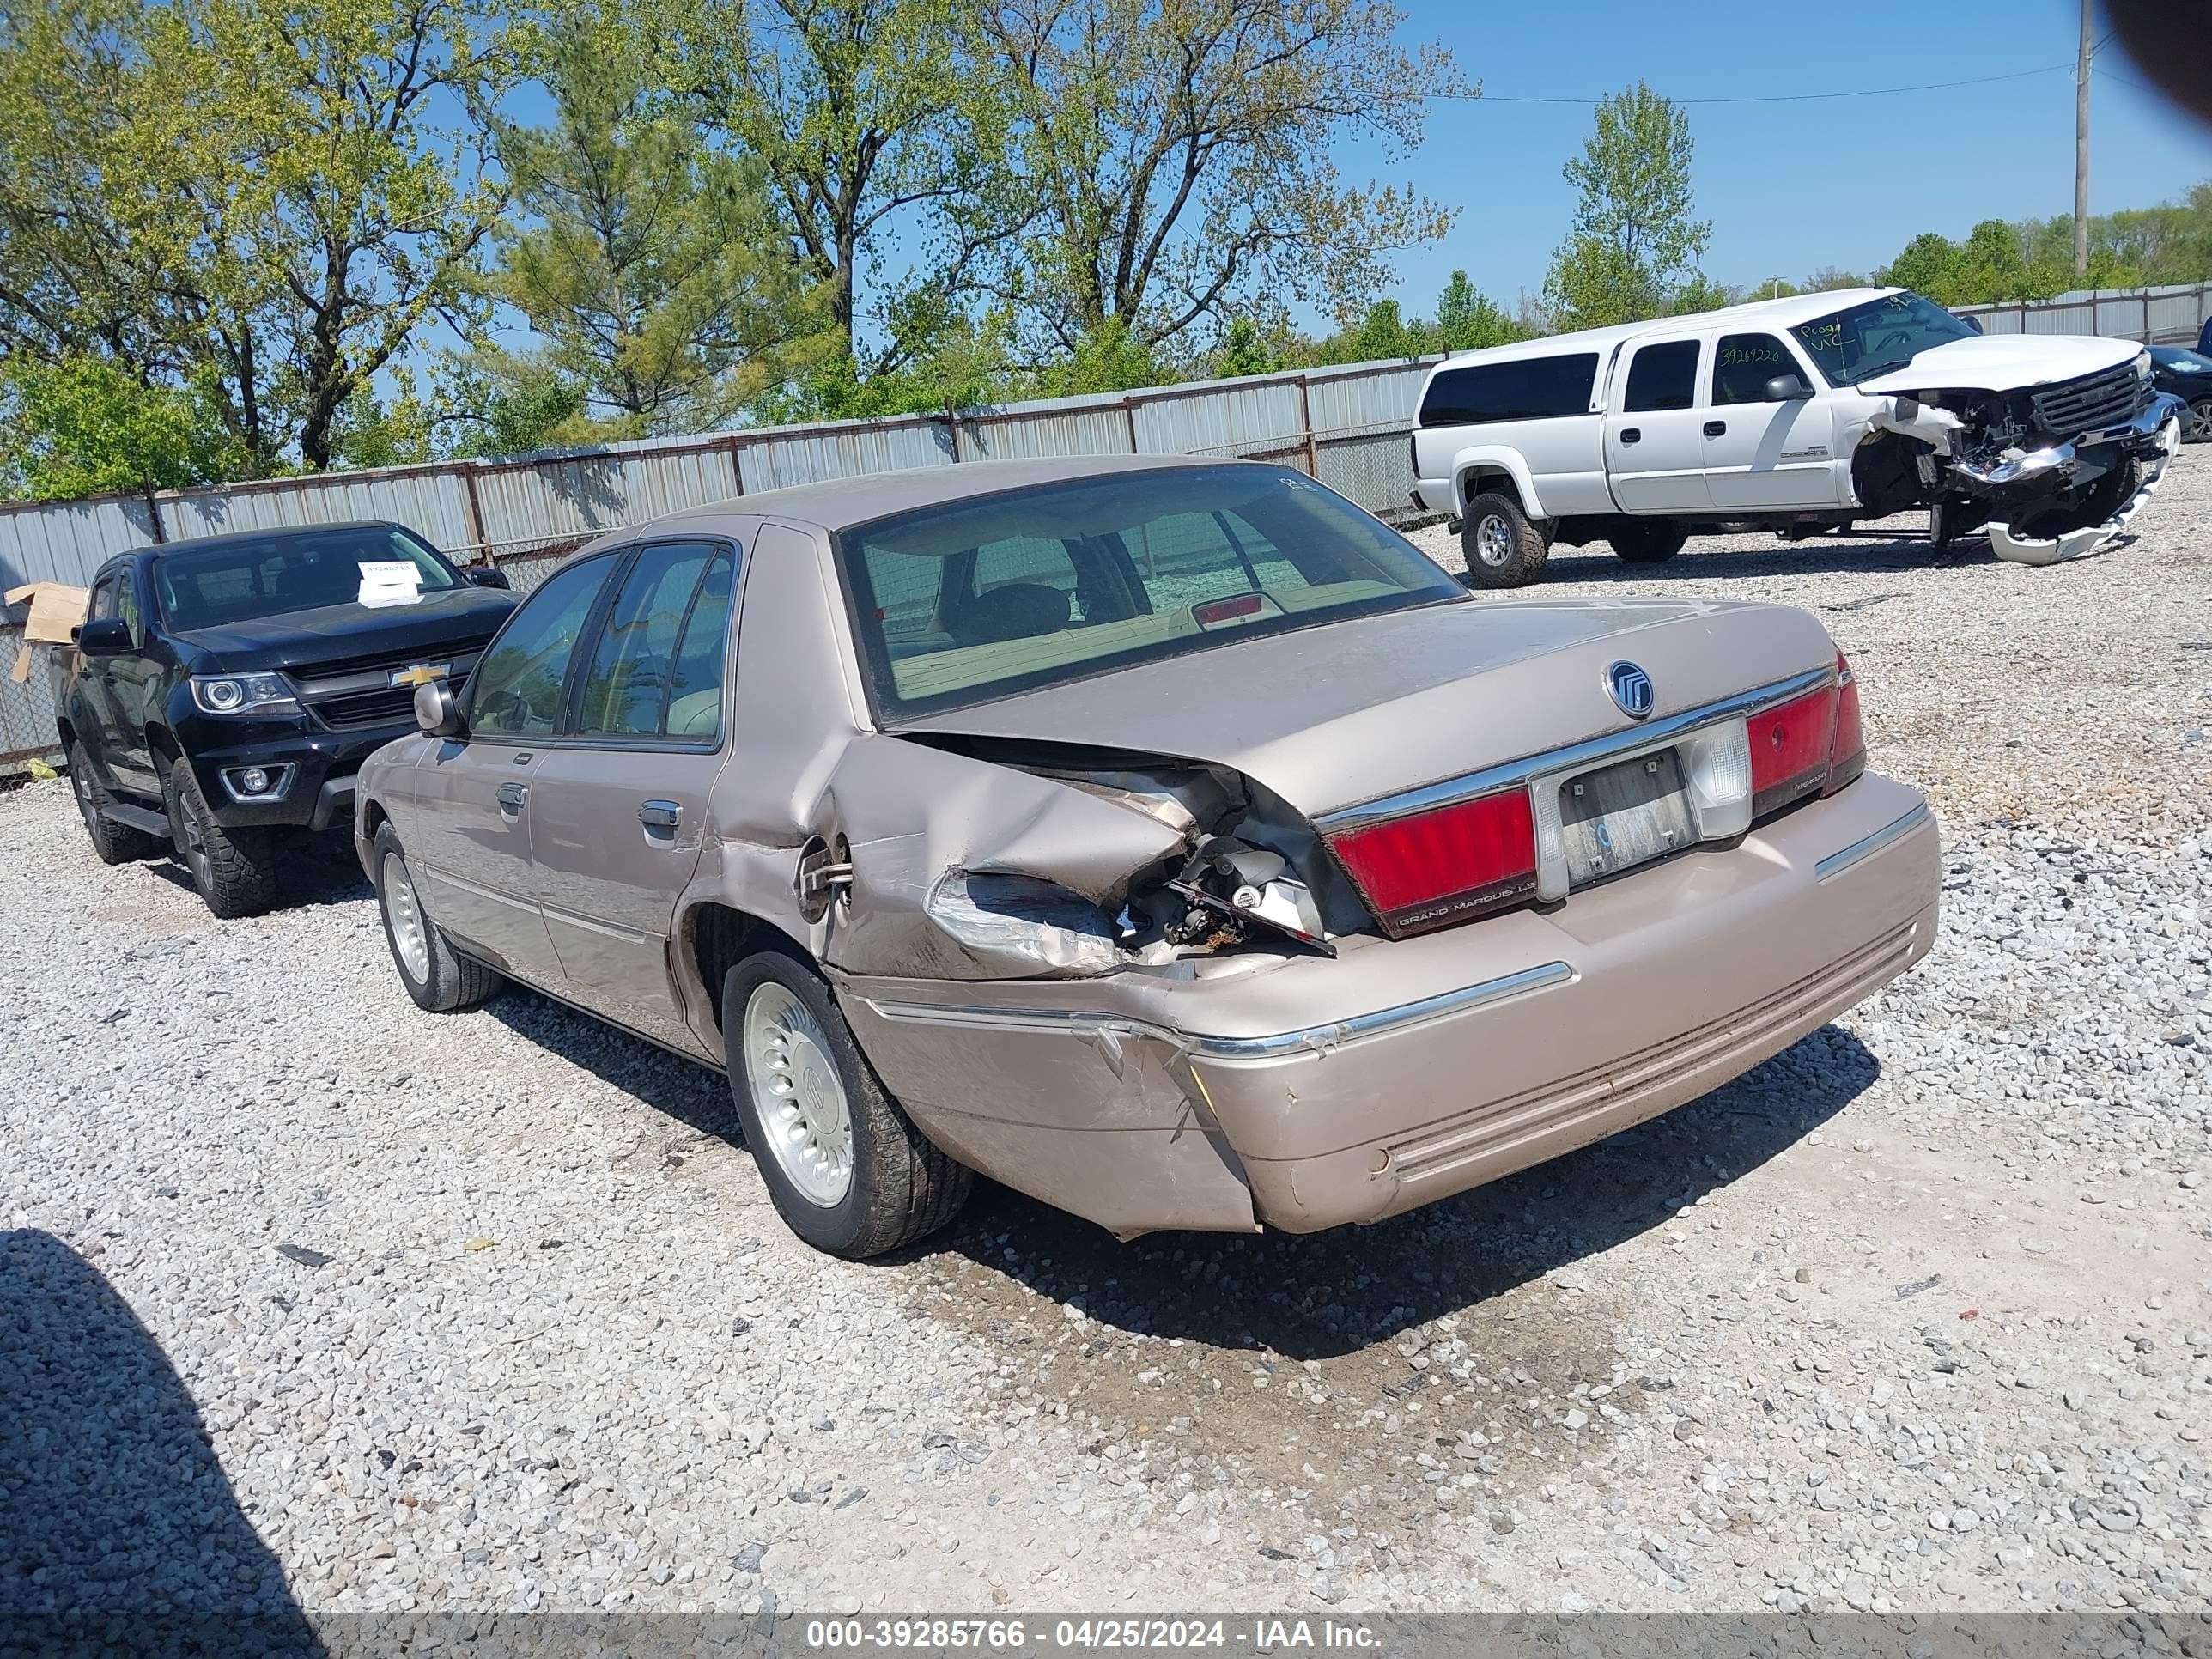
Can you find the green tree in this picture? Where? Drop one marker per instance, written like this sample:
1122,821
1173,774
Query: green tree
1243,350
868,119
654,270
1111,357
282,196
1176,156
1468,320
1632,241
1701,293
85,426
1931,264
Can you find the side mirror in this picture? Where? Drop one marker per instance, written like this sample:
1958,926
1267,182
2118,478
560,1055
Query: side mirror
106,636
490,575
435,710
1787,389
1974,323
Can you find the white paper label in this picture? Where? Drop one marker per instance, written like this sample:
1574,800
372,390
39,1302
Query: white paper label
389,581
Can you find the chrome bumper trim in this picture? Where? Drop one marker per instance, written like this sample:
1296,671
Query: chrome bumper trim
1574,757
1866,845
1312,1039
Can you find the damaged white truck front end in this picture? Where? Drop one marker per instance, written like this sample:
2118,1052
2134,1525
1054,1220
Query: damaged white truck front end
2049,444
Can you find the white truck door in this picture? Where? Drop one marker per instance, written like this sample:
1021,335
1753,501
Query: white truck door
1761,451
1655,446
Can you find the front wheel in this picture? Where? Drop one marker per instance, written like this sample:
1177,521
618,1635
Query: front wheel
846,1168
235,870
438,979
1504,546
2197,421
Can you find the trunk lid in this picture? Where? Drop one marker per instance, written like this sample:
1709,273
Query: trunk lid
2004,363
1345,713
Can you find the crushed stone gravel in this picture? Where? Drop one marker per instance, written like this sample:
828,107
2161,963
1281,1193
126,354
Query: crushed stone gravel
309,1299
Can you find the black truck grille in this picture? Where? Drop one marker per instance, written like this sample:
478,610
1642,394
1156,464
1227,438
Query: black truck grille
2073,407
359,692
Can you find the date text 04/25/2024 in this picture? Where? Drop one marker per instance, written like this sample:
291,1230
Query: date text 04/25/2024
1254,1635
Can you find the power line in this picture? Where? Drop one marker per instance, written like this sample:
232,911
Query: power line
1786,97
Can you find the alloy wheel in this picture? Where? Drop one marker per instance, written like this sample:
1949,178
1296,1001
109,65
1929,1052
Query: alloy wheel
405,912
798,1095
1493,541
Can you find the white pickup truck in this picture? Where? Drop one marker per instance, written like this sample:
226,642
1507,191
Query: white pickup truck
1801,415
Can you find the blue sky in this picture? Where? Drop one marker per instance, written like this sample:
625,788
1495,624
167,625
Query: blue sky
1788,187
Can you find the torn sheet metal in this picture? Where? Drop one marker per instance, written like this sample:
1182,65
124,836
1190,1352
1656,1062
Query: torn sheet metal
2090,538
1914,419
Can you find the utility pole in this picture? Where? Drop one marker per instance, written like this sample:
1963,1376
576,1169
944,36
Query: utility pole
2081,151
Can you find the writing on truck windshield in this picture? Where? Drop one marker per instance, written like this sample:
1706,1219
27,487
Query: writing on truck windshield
961,603
1861,340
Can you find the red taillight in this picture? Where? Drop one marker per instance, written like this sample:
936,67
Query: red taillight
1443,866
1216,610
1847,755
1790,745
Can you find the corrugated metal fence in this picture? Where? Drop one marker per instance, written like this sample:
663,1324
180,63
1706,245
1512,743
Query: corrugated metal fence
1346,426
2156,316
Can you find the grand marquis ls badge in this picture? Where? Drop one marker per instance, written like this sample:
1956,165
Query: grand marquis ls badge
1631,688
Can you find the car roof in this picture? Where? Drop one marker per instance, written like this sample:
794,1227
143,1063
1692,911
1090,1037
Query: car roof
273,532
834,504
1785,312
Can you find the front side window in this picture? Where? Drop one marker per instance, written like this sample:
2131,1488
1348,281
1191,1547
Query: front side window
973,599
1744,363
515,691
1663,376
647,646
103,599
248,577
1871,338
1522,389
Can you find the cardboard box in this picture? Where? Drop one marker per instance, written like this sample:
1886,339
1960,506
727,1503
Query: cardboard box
56,609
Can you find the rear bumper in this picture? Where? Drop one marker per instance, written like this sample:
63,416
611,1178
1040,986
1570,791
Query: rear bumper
1311,1093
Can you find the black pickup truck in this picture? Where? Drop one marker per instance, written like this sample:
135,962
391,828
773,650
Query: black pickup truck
223,691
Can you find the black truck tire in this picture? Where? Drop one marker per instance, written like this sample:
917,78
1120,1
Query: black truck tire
1650,541
900,1186
440,979
1505,547
235,870
111,843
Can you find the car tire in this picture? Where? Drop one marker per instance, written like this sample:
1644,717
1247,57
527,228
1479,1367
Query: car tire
793,1068
1654,542
440,979
111,843
2196,425
235,870
1505,547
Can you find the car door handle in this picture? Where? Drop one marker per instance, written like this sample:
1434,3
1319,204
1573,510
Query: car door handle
1715,428
1629,434
660,815
513,796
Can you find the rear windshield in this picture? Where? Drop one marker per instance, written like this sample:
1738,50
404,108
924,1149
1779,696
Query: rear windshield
975,599
1525,389
291,570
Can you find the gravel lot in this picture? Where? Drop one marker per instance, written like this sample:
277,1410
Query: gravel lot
308,1297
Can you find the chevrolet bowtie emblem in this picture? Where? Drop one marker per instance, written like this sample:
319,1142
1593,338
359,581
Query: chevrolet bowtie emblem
422,673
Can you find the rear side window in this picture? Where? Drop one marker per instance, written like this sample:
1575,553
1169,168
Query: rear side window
633,664
1745,363
1663,376
1526,389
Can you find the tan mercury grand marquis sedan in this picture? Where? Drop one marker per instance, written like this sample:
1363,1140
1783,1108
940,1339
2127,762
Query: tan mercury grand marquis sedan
1168,840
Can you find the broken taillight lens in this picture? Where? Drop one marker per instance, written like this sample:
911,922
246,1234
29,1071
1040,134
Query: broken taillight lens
1790,745
1436,868
1847,753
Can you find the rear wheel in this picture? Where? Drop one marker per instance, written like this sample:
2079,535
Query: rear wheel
1504,546
438,979
235,870
847,1169
111,843
1651,541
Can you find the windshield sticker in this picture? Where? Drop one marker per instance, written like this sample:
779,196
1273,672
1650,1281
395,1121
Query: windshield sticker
389,581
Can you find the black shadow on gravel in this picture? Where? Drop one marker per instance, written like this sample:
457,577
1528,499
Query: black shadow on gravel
119,1529
1324,1295
684,1089
316,871
1723,559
